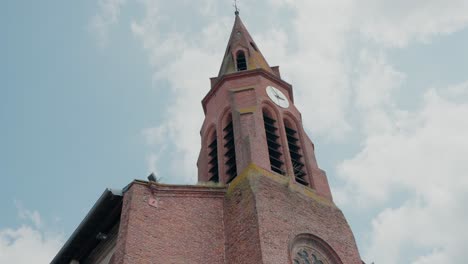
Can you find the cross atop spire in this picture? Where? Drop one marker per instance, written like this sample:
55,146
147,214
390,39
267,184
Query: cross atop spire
237,9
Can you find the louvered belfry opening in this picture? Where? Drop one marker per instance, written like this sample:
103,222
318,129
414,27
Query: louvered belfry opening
296,155
229,152
213,159
241,61
274,148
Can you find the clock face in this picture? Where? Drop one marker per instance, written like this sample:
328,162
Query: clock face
277,97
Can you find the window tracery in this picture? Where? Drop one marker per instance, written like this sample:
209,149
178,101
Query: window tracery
309,256
309,249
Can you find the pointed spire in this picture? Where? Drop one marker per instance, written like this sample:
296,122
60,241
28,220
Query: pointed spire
240,42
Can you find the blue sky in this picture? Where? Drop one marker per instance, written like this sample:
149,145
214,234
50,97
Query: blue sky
96,93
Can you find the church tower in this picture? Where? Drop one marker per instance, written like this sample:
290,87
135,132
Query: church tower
278,205
270,204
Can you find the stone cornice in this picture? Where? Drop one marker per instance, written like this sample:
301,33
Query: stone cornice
183,190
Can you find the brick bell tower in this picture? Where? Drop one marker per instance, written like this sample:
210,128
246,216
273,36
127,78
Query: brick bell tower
273,204
278,206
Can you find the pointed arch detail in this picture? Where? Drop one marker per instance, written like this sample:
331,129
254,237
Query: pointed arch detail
228,146
273,139
241,60
296,150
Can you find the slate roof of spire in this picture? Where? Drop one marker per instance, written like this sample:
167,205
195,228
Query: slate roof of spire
240,39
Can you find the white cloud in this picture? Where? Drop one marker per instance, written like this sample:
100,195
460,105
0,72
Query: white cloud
398,23
28,244
312,57
106,17
434,257
25,214
456,92
433,227
186,64
430,142
422,154
376,81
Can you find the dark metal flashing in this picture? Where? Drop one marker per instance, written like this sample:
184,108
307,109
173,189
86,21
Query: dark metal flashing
100,219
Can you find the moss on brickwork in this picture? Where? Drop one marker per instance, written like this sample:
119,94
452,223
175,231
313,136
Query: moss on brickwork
247,110
252,173
211,184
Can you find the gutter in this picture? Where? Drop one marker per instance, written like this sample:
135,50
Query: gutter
109,199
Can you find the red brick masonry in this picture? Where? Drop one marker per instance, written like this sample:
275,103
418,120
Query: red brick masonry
254,220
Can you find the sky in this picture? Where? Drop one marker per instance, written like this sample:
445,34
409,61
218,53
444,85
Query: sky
94,94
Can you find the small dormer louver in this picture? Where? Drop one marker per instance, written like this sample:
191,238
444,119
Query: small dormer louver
296,156
274,148
213,160
230,152
241,61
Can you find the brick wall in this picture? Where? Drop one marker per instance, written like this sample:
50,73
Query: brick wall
185,226
285,210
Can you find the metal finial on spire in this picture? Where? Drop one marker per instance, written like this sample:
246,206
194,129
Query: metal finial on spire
237,9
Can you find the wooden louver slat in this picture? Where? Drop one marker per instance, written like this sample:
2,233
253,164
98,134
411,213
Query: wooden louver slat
274,153
270,128
274,148
230,152
268,120
295,153
213,160
213,157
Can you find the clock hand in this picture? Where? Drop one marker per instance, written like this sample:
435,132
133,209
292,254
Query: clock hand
276,93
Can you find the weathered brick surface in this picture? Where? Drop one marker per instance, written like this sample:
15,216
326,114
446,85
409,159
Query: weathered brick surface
285,210
253,221
244,95
241,226
185,227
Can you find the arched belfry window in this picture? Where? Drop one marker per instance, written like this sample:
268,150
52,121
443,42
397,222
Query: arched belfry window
274,147
213,158
295,152
241,61
229,150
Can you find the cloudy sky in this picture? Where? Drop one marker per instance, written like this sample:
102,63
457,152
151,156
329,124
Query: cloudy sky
94,94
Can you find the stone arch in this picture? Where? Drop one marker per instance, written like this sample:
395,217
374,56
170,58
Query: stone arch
308,248
291,118
210,133
272,108
223,118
